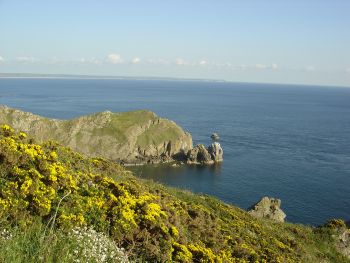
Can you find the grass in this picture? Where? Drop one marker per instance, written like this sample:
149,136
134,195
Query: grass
33,245
159,133
36,244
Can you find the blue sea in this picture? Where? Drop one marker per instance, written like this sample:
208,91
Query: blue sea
284,141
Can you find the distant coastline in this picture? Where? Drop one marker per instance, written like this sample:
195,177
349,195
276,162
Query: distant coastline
69,76
97,77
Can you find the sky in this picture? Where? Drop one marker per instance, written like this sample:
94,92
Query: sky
270,41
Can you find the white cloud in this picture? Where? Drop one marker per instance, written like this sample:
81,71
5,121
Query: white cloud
55,60
1,59
203,62
27,59
114,58
222,65
92,60
136,60
243,66
261,66
310,68
274,66
157,61
265,66
181,62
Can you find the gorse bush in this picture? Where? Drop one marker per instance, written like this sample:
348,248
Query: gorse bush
66,191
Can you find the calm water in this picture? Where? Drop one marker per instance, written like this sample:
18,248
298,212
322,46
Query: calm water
290,142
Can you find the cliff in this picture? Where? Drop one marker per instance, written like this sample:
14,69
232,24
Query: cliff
130,137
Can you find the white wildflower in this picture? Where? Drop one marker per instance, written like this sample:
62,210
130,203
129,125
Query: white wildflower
93,246
5,235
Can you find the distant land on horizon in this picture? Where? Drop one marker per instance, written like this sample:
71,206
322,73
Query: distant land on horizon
81,76
78,76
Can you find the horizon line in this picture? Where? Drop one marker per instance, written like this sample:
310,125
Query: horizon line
88,76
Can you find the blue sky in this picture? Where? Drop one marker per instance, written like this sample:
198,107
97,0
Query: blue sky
287,41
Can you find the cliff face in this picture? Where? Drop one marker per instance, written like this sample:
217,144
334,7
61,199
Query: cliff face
131,137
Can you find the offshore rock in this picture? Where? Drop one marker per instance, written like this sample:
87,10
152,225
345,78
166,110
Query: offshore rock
134,137
268,208
215,136
216,152
201,155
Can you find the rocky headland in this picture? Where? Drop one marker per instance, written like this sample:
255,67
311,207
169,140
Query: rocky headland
135,137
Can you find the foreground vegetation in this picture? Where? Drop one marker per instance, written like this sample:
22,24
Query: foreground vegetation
59,206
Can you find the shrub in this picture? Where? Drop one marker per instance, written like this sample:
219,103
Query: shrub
69,193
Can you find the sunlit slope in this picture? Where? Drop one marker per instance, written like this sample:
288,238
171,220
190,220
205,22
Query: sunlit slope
59,188
136,136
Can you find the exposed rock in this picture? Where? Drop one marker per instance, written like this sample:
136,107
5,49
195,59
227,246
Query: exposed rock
216,152
343,242
129,137
340,234
268,208
201,155
215,136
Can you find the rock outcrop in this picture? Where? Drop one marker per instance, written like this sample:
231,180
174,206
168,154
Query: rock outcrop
268,208
215,136
216,152
201,155
343,241
129,137
340,235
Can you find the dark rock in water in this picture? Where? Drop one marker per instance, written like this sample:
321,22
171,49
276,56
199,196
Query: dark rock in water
216,152
268,208
215,136
201,155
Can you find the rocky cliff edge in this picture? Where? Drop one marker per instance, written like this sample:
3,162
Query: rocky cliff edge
134,137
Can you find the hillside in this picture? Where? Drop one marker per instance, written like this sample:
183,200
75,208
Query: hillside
131,137
48,191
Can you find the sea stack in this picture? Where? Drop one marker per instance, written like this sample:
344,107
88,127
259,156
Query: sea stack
201,155
215,136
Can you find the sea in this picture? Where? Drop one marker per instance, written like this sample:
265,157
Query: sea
284,141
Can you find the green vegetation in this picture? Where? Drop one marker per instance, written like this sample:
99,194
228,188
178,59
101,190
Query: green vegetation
121,123
48,191
160,133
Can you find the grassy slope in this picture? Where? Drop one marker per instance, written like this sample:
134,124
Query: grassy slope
152,222
119,126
